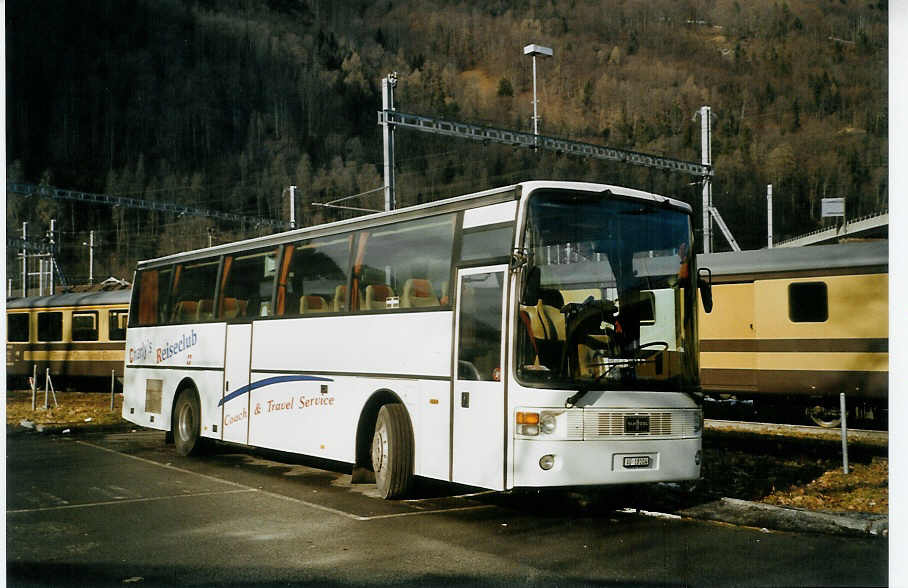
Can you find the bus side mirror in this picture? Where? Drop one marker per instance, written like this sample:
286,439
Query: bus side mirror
705,284
531,287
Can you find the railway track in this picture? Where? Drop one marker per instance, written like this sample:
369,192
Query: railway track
864,436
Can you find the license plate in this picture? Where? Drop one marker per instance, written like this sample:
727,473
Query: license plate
637,461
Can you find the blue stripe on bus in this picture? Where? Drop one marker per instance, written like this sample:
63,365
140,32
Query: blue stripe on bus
269,381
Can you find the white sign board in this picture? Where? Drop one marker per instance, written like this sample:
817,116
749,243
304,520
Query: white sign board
832,207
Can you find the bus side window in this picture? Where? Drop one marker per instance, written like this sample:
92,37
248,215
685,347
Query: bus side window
247,285
317,276
404,265
193,291
152,297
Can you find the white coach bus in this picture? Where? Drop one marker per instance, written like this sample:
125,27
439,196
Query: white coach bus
541,334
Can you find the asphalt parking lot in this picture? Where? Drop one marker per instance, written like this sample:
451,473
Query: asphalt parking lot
115,508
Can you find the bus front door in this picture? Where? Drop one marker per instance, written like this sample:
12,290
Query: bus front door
236,377
478,433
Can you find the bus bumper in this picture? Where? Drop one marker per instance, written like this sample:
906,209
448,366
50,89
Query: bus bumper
583,463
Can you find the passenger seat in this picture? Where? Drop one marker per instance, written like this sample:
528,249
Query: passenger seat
418,294
312,304
376,297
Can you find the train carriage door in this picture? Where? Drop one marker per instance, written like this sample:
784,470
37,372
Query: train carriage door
728,342
235,403
478,428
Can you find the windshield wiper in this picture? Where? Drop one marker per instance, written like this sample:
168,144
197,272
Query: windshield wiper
572,401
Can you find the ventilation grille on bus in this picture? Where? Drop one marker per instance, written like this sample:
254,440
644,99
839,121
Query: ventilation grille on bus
609,424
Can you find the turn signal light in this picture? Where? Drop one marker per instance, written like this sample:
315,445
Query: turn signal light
527,418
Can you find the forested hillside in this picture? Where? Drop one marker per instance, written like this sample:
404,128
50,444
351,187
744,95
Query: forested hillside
223,104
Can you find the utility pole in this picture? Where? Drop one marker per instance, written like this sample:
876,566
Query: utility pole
387,103
53,254
24,260
292,207
91,257
706,160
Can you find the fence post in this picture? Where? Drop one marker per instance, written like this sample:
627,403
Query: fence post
46,384
34,385
844,433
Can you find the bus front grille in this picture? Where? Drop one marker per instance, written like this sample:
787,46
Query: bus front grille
611,424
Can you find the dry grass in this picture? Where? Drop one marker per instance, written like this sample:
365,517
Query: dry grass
864,489
73,410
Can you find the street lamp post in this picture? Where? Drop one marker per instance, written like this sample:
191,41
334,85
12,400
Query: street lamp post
535,50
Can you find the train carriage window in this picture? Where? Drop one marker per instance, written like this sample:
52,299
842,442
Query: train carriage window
17,327
85,326
116,322
808,302
50,326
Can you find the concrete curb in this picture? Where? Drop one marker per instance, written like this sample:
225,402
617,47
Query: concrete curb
753,514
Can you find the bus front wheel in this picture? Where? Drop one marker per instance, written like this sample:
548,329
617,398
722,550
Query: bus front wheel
392,451
186,423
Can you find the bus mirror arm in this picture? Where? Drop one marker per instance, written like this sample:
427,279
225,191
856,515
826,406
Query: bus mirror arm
519,260
705,284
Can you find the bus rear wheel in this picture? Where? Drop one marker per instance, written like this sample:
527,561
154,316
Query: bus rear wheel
392,451
186,423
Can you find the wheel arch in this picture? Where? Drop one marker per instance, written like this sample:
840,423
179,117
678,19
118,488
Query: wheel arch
186,383
365,429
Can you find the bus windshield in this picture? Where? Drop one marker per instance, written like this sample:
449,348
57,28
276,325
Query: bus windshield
607,300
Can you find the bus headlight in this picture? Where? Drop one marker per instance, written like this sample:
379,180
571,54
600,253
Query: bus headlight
533,423
547,462
547,424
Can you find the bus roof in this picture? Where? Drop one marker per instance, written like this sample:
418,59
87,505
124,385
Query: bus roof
71,299
484,198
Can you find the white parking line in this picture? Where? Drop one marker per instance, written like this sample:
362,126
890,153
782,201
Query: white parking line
126,501
245,488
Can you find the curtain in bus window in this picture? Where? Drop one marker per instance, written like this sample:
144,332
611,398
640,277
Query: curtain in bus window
318,274
149,282
280,297
248,284
405,265
193,292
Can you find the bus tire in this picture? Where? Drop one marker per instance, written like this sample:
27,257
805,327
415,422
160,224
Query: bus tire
392,451
186,423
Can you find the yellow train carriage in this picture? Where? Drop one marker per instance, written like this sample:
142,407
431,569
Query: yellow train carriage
804,324
77,336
